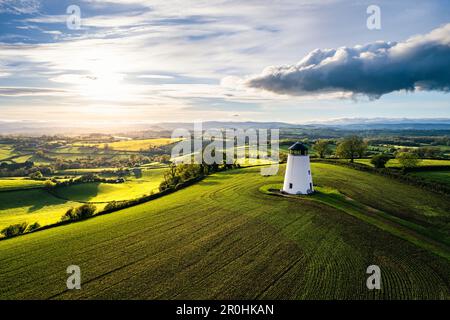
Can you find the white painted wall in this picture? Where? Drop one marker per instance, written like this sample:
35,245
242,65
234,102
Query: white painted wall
298,173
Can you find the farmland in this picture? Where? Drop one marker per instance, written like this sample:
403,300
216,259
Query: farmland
31,206
131,145
133,188
178,246
46,208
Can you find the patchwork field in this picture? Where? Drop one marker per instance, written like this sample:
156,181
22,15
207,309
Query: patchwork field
5,151
133,145
224,238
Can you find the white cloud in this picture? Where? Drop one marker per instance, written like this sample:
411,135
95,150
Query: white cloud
19,6
419,63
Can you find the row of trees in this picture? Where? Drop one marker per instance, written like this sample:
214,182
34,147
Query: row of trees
349,148
353,147
178,174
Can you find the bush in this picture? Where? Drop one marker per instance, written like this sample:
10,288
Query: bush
379,161
14,230
48,184
33,227
80,213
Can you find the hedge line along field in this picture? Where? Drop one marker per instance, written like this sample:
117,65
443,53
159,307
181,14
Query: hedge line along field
224,238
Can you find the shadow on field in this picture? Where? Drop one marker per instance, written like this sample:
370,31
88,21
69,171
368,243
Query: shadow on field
34,199
79,192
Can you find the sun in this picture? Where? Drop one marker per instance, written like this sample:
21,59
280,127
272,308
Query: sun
104,85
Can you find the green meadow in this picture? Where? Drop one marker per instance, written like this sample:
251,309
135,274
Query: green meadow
21,204
133,188
19,183
31,206
226,238
435,176
393,163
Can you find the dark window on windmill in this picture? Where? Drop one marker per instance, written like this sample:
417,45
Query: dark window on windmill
290,186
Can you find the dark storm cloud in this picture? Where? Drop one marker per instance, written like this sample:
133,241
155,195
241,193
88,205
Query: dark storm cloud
419,63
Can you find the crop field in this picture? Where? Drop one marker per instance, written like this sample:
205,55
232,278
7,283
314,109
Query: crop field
224,238
435,176
134,145
105,192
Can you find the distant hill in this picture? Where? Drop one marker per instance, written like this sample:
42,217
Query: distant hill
51,127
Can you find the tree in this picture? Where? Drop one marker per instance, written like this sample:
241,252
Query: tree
322,147
283,157
351,147
407,159
428,152
83,212
14,230
36,175
379,160
33,227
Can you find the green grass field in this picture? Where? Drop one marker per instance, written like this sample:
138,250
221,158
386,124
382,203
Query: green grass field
133,188
434,176
224,238
31,206
132,145
39,206
19,183
393,163
5,151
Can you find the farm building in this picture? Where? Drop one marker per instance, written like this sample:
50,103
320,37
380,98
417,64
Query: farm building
298,178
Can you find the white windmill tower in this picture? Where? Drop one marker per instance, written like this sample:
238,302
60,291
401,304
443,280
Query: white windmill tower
298,179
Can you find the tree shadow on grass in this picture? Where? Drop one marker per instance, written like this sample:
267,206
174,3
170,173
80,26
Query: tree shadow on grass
34,200
80,192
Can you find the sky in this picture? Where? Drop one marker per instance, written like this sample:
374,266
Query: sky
180,60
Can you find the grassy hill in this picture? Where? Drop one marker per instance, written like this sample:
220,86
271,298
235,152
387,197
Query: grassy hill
7,184
133,188
224,238
31,205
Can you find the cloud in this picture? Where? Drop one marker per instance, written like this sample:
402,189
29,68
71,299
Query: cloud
19,6
419,63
